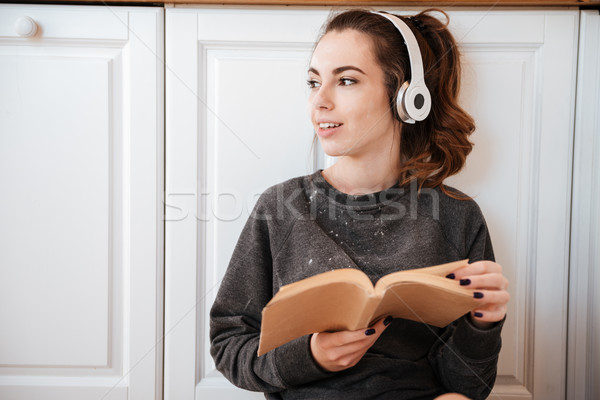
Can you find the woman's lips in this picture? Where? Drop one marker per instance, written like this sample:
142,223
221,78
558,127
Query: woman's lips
328,128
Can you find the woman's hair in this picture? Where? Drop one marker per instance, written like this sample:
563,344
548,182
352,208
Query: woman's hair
437,147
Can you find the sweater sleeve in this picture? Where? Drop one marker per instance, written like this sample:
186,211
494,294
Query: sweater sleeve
235,316
465,357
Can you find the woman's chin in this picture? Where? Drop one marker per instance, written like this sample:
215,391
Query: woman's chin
333,151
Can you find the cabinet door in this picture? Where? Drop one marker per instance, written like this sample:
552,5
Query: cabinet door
519,85
236,123
81,128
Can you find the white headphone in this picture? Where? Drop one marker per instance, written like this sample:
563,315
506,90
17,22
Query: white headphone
414,101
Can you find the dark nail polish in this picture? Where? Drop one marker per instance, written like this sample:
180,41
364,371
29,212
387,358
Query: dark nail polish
478,314
465,282
387,320
450,276
369,331
478,295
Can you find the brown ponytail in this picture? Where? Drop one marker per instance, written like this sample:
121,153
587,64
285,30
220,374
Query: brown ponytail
437,147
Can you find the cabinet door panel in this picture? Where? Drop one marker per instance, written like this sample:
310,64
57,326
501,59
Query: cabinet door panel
516,172
46,200
80,211
520,174
584,278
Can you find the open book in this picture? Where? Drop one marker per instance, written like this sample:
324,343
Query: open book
345,299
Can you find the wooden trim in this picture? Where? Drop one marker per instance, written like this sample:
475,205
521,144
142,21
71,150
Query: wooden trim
369,3
537,3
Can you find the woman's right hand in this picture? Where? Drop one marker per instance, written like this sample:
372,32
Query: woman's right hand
337,351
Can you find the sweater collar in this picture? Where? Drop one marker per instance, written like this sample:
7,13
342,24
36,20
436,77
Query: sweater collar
377,199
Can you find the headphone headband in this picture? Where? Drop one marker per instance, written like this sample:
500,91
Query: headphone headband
414,100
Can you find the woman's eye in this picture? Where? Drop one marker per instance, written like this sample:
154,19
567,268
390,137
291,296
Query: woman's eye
312,84
347,81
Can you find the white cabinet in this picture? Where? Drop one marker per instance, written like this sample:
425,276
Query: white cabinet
83,153
236,123
81,177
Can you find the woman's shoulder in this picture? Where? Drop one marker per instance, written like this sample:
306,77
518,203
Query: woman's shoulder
289,185
454,202
459,217
451,208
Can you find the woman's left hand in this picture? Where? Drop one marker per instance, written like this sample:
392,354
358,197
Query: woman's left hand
485,277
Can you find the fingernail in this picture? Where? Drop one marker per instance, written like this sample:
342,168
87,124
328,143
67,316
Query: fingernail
369,331
387,320
450,276
478,295
465,282
478,314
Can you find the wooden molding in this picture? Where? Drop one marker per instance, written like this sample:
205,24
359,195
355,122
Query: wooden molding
537,3
369,3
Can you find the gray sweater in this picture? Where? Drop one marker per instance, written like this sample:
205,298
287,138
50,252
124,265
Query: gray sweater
305,226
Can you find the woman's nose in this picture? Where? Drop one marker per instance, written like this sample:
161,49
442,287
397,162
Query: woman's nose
322,99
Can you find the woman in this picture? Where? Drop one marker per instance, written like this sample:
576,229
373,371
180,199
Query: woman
366,212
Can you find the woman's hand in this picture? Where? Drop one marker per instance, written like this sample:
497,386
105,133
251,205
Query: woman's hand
486,278
336,351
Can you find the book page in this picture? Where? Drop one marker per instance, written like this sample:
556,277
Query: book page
329,306
429,299
350,275
438,270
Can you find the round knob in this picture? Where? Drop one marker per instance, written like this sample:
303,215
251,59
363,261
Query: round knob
25,27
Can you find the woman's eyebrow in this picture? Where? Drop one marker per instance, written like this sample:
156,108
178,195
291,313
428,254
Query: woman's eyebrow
314,71
338,70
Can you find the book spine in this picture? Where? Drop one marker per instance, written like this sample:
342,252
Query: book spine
366,317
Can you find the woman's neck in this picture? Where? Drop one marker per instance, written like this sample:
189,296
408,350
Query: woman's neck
362,176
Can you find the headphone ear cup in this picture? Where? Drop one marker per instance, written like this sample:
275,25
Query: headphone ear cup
417,101
400,106
413,102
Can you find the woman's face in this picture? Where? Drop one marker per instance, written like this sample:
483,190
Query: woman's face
348,101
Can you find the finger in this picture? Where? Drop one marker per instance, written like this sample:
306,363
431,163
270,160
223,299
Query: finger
491,307
351,353
351,360
492,281
335,353
495,297
381,324
372,333
342,338
489,314
352,349
477,268
344,342
334,359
